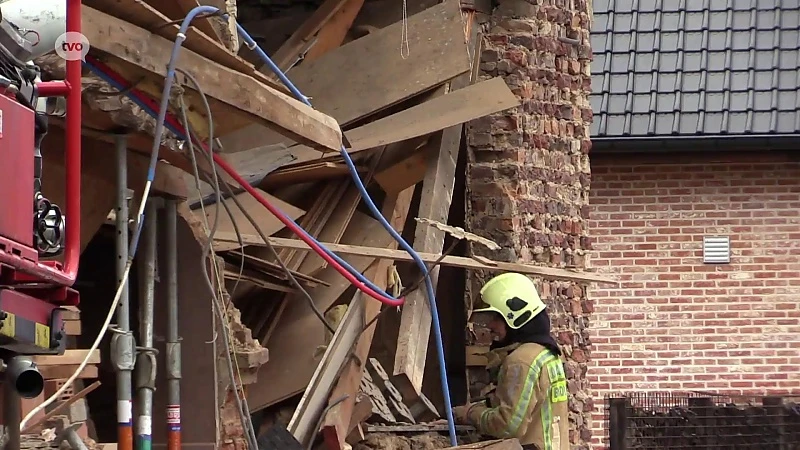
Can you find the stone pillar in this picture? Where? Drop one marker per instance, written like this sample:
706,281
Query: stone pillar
528,168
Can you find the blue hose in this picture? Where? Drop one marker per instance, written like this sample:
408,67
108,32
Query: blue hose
437,329
160,124
181,134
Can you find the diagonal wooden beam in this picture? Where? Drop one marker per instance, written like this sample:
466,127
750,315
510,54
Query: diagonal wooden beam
291,50
333,34
239,94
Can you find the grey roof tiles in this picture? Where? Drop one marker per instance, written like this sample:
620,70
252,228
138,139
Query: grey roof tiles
695,67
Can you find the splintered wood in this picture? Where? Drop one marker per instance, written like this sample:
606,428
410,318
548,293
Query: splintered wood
403,117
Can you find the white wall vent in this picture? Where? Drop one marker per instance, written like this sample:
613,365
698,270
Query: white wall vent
716,249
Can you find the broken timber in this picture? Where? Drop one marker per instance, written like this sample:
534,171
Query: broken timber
437,196
453,261
241,96
335,423
358,79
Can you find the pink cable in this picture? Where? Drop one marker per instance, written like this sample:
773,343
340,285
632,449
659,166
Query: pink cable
299,232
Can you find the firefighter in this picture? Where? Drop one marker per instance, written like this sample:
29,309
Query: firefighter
529,401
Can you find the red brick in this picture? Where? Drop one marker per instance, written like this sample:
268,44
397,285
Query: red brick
728,328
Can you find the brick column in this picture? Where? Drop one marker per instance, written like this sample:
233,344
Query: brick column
528,169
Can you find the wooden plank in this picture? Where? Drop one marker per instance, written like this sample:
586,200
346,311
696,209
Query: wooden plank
241,93
333,33
415,319
405,173
336,424
70,357
268,223
63,372
335,226
312,222
439,113
145,16
435,201
300,330
178,9
291,50
360,78
312,403
61,407
304,174
457,107
452,261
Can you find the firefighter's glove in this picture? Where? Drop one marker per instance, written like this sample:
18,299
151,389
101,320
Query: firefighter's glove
461,414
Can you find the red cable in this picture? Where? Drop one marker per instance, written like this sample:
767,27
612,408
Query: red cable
296,230
289,223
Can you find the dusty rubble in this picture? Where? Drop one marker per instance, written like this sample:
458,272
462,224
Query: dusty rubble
385,441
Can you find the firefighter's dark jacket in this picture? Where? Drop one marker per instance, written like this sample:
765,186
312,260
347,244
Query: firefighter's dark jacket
530,401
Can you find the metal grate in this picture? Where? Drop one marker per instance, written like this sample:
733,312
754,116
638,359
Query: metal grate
716,249
678,421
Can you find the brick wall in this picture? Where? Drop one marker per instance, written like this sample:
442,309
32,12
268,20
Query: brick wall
528,168
675,323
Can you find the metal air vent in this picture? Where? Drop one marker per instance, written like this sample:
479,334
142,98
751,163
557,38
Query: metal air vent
716,249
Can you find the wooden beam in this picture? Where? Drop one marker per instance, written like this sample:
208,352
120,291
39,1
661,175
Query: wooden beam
120,40
143,15
333,33
288,54
301,332
437,196
307,415
215,26
360,78
70,357
268,223
449,110
178,9
336,423
415,319
436,114
452,261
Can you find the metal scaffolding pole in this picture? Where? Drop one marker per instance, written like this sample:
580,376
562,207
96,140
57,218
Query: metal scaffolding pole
12,413
173,359
146,358
122,342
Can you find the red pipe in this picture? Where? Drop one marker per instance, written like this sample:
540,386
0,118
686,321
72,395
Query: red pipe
51,272
72,251
53,89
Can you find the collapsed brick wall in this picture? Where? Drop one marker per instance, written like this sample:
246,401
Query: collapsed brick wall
528,169
675,323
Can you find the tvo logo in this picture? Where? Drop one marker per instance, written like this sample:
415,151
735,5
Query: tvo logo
72,46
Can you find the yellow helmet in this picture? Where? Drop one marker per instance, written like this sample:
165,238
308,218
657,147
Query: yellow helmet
513,296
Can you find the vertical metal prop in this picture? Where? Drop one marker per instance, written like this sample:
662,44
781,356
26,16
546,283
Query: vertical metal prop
173,339
146,361
12,414
122,342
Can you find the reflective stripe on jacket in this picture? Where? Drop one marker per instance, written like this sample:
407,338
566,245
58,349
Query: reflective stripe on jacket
530,402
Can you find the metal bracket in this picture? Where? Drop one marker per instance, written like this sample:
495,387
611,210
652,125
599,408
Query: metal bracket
123,348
